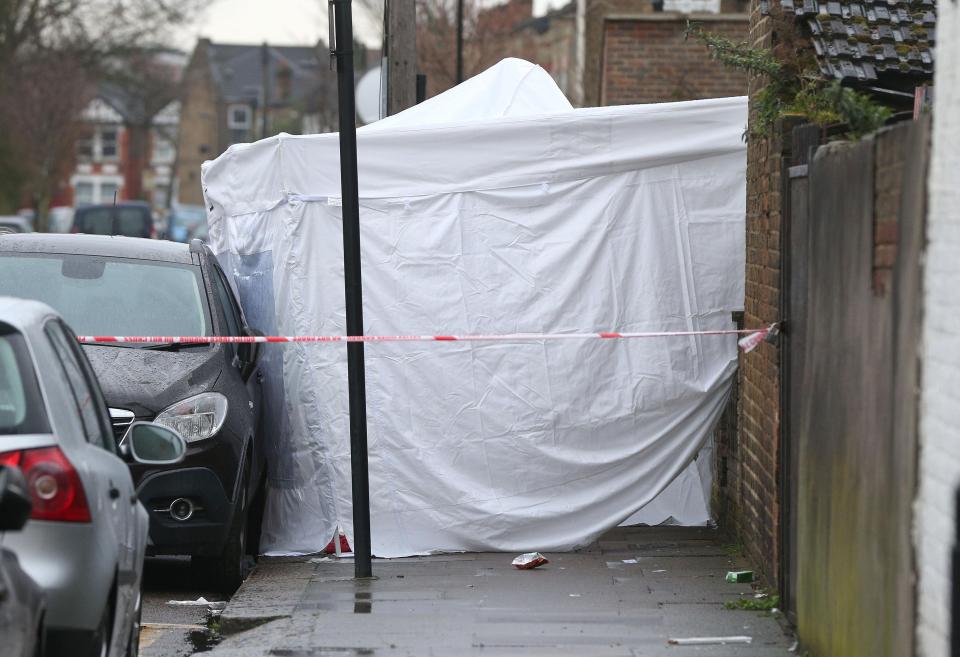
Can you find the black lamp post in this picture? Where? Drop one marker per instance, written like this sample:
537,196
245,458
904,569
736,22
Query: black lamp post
341,48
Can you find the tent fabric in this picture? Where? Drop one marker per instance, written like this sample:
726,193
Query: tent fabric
513,87
618,218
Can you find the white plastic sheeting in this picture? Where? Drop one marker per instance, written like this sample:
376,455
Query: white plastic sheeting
619,218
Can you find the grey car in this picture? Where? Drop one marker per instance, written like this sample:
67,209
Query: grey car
85,542
21,600
15,224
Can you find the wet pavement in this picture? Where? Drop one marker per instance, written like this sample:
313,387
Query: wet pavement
624,596
168,630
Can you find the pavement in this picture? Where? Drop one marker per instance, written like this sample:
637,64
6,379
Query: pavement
626,595
171,630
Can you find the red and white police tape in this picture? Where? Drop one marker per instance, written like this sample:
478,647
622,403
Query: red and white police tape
752,337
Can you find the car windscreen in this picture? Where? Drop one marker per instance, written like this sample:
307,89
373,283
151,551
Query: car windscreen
111,296
21,406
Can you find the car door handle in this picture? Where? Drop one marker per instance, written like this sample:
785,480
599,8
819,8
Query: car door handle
114,493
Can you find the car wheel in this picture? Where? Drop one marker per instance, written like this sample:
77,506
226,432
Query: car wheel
255,519
133,643
233,565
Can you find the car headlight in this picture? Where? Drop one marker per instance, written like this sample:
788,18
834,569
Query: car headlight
196,418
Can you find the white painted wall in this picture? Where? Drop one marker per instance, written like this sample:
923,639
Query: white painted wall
940,407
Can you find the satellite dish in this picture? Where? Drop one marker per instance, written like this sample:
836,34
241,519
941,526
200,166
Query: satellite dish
370,96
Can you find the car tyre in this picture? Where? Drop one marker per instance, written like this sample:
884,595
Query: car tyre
255,519
232,566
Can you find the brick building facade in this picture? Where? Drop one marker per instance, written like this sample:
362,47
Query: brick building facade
647,59
755,494
634,44
237,93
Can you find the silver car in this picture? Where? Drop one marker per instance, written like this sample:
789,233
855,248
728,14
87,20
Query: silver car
86,539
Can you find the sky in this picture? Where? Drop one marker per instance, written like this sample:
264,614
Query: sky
282,22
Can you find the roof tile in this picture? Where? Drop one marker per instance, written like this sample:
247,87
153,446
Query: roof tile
867,39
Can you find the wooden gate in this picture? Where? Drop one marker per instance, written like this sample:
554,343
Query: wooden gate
848,404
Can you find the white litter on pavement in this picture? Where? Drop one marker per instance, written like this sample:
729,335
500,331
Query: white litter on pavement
199,602
710,640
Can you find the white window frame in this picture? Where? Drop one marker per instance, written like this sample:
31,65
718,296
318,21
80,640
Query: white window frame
239,125
76,195
164,149
98,181
98,152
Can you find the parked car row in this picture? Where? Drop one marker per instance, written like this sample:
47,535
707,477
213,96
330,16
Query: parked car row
130,218
126,450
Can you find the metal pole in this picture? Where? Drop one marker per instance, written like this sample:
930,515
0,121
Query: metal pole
459,41
342,49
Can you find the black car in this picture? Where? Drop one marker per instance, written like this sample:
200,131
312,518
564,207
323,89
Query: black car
130,218
208,506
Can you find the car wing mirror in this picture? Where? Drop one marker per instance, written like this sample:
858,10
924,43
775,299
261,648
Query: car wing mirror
150,443
15,502
249,353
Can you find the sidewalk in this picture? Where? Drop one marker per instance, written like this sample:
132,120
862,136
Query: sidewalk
588,603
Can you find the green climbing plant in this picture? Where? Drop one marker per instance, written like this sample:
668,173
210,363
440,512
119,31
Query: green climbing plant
794,90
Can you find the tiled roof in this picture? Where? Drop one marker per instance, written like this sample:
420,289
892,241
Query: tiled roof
238,70
869,39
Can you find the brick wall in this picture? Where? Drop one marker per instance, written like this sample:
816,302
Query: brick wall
198,138
756,498
939,469
889,173
597,12
646,59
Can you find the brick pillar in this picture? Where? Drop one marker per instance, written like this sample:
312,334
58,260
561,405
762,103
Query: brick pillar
756,492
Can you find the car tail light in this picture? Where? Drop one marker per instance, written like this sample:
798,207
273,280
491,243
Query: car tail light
54,485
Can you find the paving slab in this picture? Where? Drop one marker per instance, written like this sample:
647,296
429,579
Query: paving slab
582,603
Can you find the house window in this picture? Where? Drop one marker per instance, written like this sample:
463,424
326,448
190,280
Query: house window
83,193
107,191
159,196
163,150
238,117
108,143
85,148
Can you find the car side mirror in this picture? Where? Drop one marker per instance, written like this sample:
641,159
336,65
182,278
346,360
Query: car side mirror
150,443
248,353
15,502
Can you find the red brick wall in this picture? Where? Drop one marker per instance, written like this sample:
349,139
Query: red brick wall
888,188
756,491
647,60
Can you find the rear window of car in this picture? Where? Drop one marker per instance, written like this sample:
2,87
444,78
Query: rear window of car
109,220
133,222
111,296
94,221
21,406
